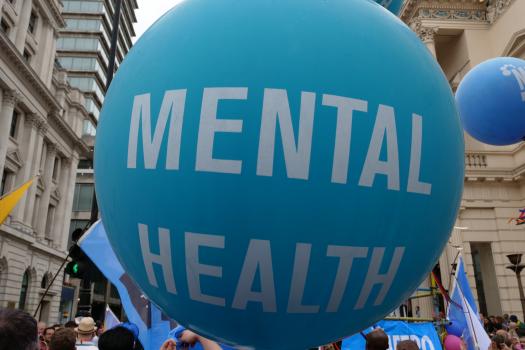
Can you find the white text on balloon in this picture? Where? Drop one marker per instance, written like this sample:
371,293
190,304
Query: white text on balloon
297,150
258,262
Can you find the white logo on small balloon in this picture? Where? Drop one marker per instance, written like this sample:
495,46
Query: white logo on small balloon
518,73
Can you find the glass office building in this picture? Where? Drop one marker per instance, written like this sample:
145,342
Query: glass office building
84,47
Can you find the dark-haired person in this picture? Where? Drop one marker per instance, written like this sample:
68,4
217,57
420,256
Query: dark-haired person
63,339
18,330
407,345
71,324
48,334
118,338
377,340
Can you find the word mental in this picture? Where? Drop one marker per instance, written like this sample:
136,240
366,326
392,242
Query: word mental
382,157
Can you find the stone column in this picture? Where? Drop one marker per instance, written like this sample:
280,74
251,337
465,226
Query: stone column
69,199
23,23
35,171
426,34
47,178
31,122
6,116
64,189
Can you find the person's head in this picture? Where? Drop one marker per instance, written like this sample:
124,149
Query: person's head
18,330
377,340
498,341
505,335
407,345
86,329
118,338
506,317
41,327
71,324
48,333
57,326
513,318
63,339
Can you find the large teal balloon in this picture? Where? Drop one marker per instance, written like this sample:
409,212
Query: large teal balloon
278,173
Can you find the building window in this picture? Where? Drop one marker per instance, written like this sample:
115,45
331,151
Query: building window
3,185
45,281
83,197
35,211
85,164
23,291
27,56
33,20
56,168
83,6
14,124
88,129
49,221
4,26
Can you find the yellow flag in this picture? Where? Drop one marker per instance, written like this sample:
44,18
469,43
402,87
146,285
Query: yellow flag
10,200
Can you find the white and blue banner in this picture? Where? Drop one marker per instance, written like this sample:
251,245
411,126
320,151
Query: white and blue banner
424,334
463,314
153,325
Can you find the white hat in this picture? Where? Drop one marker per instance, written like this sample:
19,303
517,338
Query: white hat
86,326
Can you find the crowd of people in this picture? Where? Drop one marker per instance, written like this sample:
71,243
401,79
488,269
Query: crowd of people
20,331
507,332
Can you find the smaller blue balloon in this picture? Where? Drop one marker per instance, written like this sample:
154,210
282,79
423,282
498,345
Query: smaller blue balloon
491,101
455,328
393,6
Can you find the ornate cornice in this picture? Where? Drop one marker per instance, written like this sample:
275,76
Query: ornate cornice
34,120
43,127
11,97
497,8
52,148
426,34
447,10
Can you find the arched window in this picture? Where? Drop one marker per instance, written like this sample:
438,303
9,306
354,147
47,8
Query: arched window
44,282
23,291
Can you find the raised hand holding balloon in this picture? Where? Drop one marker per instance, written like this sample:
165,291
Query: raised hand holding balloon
267,176
491,101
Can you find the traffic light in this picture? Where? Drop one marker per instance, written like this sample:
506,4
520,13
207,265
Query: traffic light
79,265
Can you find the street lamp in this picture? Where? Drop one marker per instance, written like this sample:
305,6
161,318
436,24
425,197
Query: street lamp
517,266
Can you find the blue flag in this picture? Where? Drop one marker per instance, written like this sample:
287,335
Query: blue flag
462,311
153,325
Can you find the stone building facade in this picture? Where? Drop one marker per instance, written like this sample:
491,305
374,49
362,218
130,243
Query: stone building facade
41,129
462,34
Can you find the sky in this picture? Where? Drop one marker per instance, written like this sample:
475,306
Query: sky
149,11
